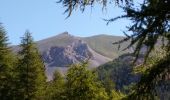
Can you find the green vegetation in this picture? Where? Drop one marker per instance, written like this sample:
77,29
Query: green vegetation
82,84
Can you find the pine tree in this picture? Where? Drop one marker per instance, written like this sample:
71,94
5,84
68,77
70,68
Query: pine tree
56,87
82,84
31,75
6,67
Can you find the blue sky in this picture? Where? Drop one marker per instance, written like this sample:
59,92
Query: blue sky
45,18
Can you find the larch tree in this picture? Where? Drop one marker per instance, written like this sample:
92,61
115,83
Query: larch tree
31,71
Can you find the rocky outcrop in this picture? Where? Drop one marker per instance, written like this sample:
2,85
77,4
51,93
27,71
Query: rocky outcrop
64,56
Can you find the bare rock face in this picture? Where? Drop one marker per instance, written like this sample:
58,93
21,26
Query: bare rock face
59,56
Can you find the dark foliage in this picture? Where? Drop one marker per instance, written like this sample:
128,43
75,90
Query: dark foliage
74,4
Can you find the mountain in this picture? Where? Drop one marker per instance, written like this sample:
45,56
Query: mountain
59,51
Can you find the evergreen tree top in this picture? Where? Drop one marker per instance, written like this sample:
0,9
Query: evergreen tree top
3,37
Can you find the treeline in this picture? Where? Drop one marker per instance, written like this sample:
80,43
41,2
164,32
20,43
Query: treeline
22,77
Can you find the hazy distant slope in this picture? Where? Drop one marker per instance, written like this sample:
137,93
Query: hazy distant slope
102,44
120,71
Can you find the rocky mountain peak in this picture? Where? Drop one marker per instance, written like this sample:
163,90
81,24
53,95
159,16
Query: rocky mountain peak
64,34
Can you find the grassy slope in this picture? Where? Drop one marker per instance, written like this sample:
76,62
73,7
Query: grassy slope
102,44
